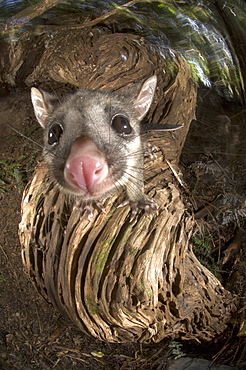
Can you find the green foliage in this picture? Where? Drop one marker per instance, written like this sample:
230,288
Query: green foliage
203,250
176,349
2,278
8,171
14,172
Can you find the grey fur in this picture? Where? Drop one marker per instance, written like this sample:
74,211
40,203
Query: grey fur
88,113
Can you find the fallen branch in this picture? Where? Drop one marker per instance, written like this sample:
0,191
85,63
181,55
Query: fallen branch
26,15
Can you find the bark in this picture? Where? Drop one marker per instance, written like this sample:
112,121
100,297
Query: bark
122,281
118,280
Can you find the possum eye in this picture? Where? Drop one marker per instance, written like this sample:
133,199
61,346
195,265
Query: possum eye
54,133
121,125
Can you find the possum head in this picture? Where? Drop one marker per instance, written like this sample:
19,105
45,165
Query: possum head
92,141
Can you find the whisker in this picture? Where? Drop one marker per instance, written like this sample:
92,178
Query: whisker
24,136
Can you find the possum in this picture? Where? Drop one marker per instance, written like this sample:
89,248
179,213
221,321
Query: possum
92,143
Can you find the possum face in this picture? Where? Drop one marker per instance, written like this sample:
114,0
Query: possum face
92,139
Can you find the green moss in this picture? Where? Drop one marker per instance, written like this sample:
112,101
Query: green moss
203,246
91,305
103,252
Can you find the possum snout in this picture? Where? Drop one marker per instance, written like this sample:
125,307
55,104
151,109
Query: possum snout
86,167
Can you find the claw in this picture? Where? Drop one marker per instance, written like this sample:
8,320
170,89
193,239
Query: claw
147,204
150,150
89,207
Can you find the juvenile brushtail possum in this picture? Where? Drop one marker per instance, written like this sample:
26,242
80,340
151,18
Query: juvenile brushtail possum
92,143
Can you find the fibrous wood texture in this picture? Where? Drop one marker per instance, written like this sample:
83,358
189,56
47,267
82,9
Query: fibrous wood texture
118,280
122,281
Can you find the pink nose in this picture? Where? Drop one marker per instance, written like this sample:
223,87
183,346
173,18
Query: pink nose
85,172
86,166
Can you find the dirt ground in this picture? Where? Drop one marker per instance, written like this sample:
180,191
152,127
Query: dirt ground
33,335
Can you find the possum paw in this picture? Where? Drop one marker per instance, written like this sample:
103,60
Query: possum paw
149,150
89,207
147,204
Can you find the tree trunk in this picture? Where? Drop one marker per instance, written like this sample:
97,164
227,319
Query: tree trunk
118,280
122,281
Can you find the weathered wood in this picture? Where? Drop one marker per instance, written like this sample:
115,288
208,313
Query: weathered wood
120,281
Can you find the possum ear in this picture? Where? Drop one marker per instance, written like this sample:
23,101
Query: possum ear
145,97
43,104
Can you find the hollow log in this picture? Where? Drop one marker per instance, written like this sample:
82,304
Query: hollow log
118,280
